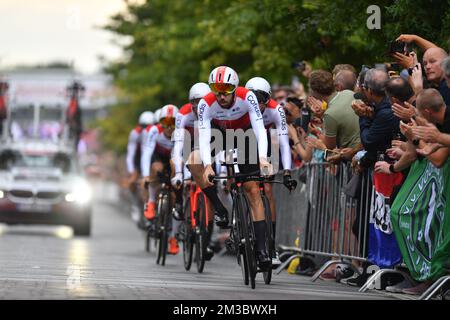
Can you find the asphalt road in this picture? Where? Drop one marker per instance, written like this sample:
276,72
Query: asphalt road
41,262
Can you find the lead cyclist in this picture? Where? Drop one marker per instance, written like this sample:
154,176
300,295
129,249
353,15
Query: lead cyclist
228,108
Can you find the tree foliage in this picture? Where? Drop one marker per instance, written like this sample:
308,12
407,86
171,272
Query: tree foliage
177,43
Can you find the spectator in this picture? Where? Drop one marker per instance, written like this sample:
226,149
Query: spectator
292,109
281,93
340,67
377,123
432,60
402,97
431,106
345,80
437,136
340,124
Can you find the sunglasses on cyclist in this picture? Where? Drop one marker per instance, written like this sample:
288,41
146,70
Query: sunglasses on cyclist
224,88
167,122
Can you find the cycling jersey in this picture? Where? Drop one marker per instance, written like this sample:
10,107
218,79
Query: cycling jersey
274,115
184,121
134,149
241,115
155,142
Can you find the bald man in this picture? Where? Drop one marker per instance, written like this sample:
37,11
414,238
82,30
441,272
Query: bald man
432,60
430,106
345,80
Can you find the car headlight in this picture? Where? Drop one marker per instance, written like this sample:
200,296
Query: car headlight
81,194
2,194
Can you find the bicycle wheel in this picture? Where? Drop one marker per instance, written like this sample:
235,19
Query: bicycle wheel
267,275
147,240
201,234
149,235
188,238
163,233
236,234
248,237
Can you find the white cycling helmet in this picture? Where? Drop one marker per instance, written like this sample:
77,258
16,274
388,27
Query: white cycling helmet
168,111
223,79
146,118
260,84
198,91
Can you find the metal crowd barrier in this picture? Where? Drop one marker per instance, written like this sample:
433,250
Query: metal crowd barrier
333,220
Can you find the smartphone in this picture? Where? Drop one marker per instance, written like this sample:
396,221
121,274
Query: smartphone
306,119
400,47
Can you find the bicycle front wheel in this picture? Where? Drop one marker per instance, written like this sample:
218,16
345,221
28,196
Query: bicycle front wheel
188,243
163,232
245,223
236,236
270,245
201,234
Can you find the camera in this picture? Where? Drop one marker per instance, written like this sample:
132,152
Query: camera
300,65
399,47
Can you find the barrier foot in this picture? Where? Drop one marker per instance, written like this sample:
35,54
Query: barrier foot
374,281
370,282
282,255
286,263
431,291
324,267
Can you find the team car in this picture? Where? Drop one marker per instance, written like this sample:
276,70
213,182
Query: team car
41,183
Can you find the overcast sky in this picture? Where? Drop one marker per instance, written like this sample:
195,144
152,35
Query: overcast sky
43,31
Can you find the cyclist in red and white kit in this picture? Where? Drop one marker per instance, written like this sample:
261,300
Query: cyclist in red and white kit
274,116
186,137
185,122
133,160
156,154
233,107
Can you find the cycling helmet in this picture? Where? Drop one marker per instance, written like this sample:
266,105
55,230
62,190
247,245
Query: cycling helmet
167,115
146,118
223,79
261,88
198,91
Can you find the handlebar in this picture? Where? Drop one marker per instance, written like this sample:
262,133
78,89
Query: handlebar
252,176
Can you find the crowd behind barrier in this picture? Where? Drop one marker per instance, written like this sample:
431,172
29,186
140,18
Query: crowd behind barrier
332,215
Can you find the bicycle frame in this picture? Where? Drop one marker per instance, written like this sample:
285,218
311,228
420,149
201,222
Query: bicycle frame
194,193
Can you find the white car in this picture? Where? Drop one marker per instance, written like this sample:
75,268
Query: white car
40,183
